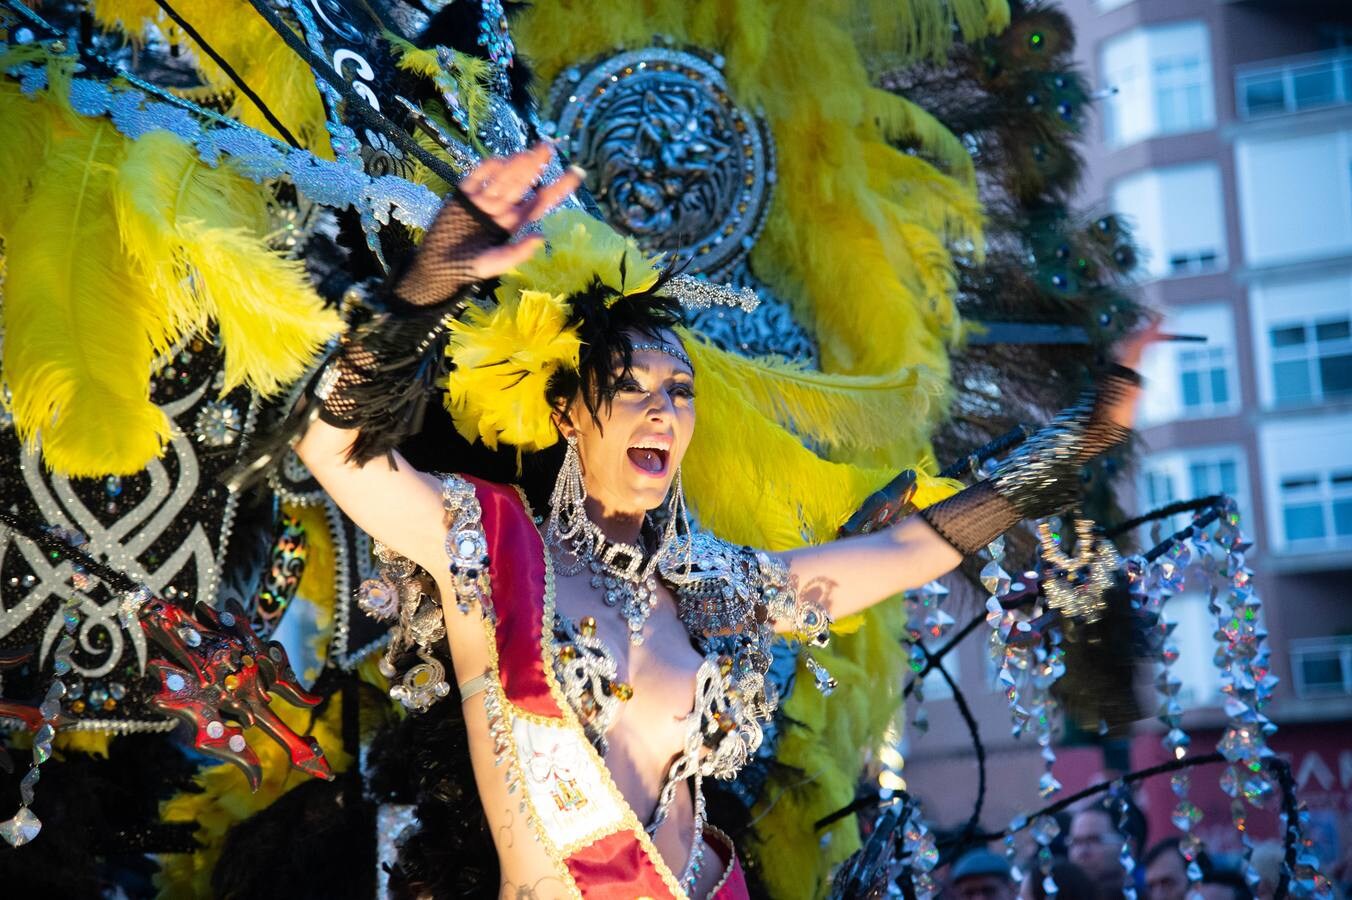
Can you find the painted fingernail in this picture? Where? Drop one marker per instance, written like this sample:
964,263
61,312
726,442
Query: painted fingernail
578,171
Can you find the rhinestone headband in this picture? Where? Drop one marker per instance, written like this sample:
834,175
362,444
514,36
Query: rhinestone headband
673,352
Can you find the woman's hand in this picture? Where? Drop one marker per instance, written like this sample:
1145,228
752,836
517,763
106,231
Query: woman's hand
1129,352
1131,348
508,191
473,237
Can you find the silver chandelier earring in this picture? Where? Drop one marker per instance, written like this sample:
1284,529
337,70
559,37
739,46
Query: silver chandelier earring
676,534
567,525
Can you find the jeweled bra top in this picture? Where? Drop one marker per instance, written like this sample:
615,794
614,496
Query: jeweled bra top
729,598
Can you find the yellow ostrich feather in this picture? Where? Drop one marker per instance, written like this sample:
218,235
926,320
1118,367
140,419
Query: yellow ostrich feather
846,417
196,233
754,482
79,334
242,37
95,743
503,361
115,250
580,248
891,33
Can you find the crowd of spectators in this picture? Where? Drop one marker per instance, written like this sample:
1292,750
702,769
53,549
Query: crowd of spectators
1087,865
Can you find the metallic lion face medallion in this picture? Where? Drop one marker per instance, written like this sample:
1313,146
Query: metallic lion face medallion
671,159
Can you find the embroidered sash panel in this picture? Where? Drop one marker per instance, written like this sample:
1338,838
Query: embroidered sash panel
575,809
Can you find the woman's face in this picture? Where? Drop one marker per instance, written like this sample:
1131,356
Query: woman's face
630,456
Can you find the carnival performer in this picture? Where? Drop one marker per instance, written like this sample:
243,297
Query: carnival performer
608,656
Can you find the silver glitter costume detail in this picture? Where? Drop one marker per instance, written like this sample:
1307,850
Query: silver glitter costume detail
1041,476
673,160
697,294
586,670
766,329
466,546
218,424
1075,586
258,157
673,352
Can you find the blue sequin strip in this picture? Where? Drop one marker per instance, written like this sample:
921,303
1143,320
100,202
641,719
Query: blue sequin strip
135,113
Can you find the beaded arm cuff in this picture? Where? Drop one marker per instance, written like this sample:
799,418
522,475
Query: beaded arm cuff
1039,478
808,619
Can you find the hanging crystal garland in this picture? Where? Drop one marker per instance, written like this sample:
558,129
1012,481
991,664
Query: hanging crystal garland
1247,682
1028,665
926,622
1121,797
1151,585
24,825
1217,560
920,846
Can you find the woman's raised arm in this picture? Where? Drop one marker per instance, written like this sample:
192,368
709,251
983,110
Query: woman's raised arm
386,497
470,241
1037,480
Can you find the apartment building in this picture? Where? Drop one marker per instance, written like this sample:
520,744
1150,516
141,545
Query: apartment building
1223,133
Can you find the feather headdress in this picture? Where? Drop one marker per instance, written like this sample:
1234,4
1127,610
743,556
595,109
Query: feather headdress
504,357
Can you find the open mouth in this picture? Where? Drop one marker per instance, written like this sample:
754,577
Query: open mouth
650,456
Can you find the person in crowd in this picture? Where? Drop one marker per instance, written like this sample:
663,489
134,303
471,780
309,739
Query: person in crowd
1166,871
1097,834
1072,882
1222,882
982,875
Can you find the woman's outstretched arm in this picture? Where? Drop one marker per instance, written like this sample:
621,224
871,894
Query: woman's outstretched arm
854,573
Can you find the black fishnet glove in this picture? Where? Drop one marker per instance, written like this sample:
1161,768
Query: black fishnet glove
443,265
1042,476
378,382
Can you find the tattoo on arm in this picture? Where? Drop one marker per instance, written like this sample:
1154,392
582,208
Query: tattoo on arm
816,591
531,891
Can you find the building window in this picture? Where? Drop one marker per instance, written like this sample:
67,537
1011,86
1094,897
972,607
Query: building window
1214,476
1311,360
1176,475
1179,84
1204,378
1317,508
1294,197
1307,481
1192,380
1160,83
1159,488
1322,667
1177,216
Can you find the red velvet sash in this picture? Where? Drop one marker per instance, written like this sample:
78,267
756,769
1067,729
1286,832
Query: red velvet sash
618,865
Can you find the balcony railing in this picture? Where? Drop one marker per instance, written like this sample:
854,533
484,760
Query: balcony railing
1294,84
1322,667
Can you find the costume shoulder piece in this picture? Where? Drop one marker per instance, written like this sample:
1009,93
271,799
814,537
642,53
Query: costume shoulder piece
466,545
727,589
